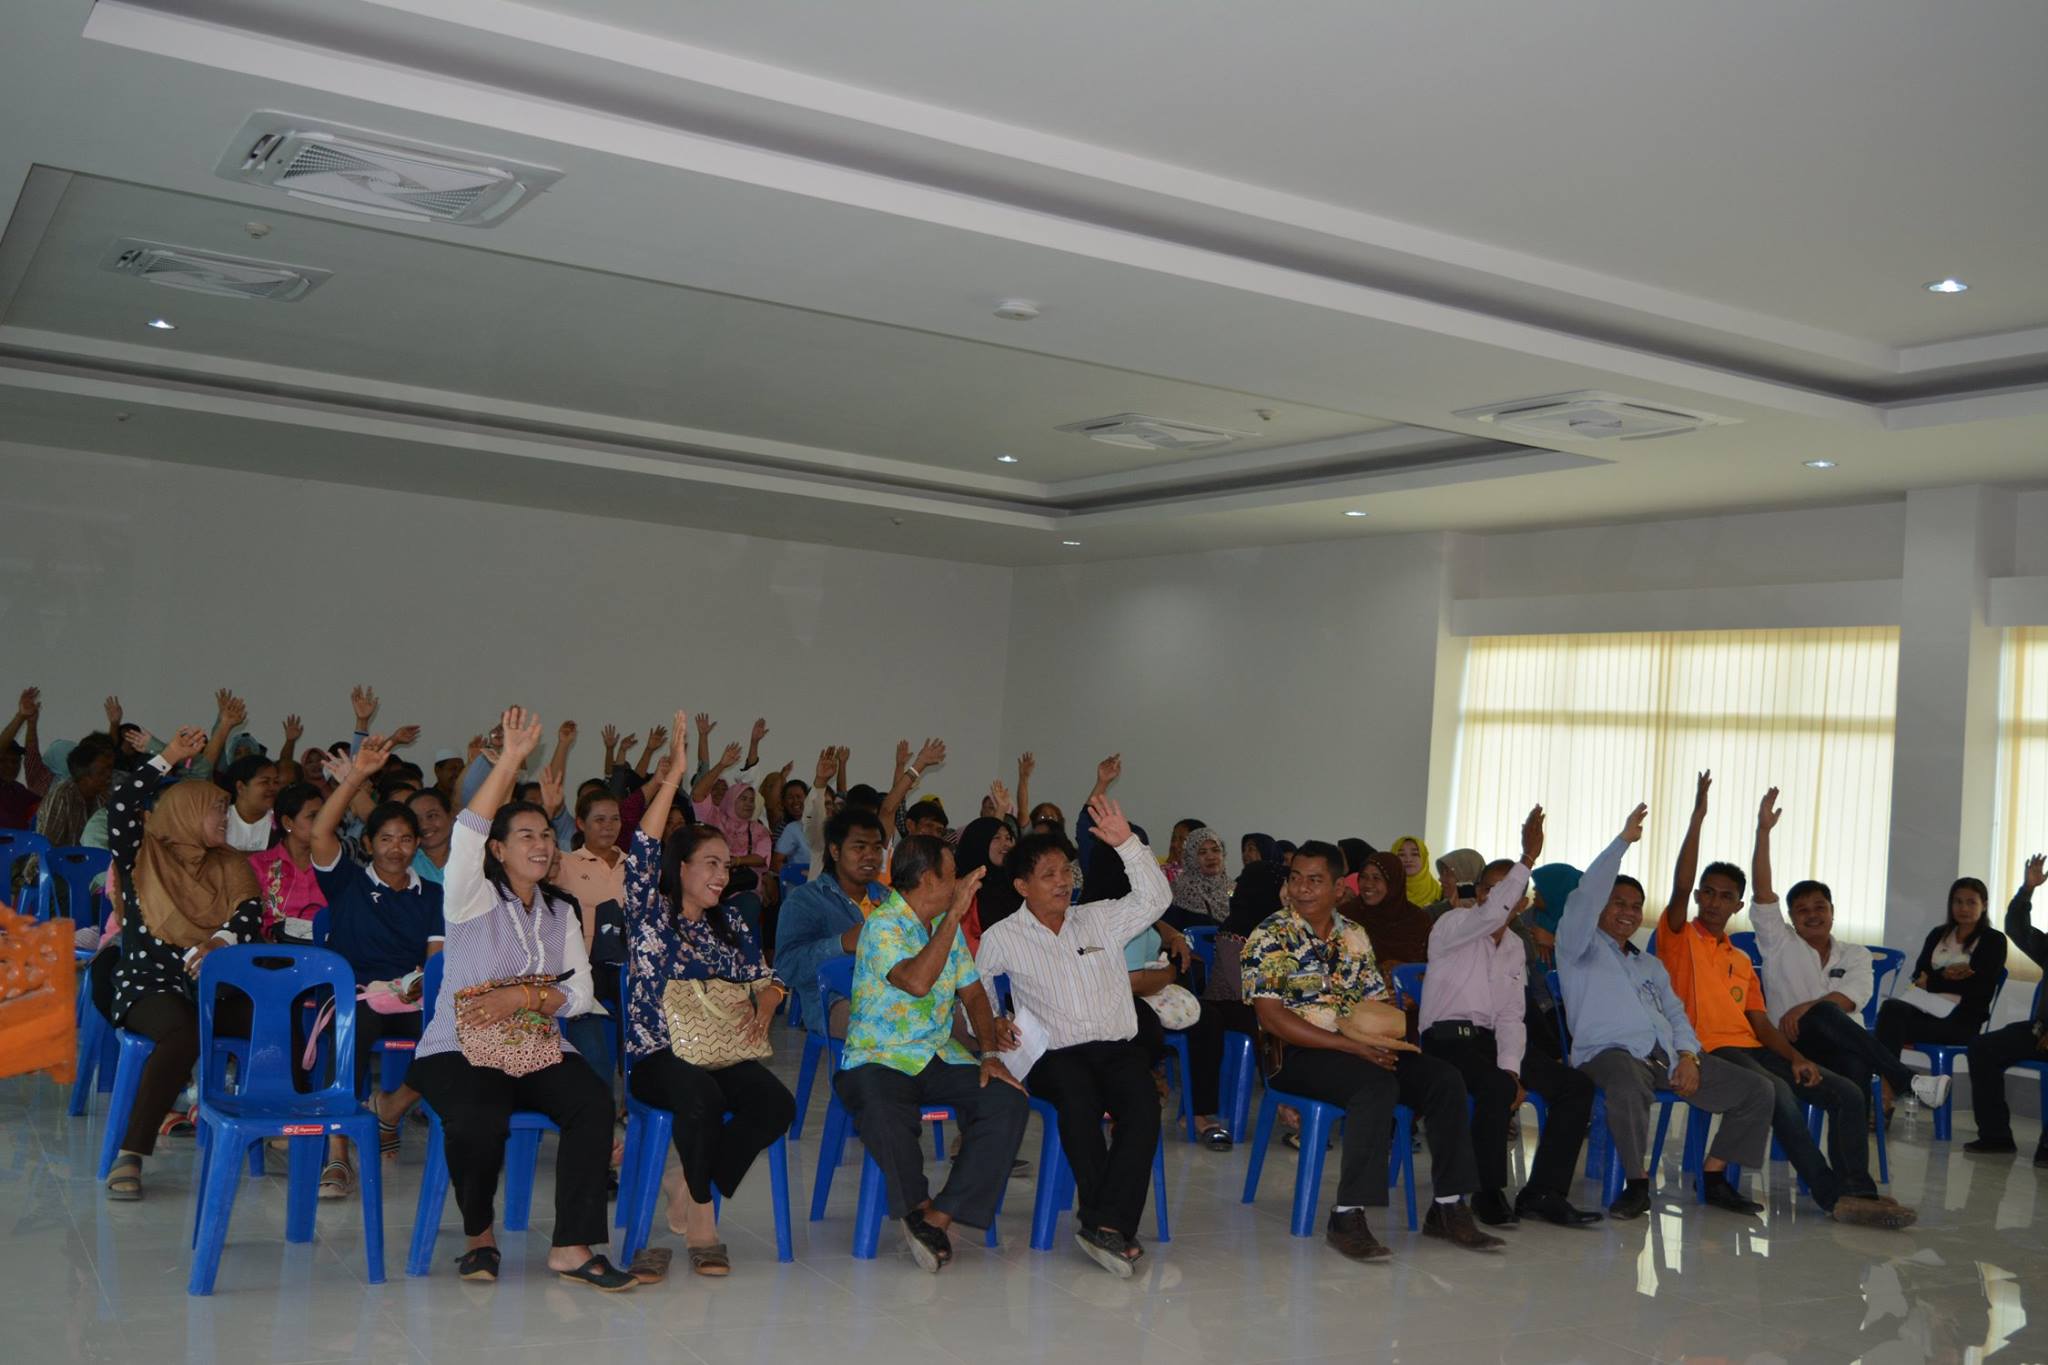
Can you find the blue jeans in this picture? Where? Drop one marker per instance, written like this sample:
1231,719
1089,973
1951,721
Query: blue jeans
1848,1109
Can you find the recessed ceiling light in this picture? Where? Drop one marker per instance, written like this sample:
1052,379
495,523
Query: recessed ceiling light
1006,459
1820,464
1354,512
1951,285
1070,542
163,324
1016,310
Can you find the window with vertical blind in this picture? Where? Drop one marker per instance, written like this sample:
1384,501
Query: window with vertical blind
1588,725
2020,805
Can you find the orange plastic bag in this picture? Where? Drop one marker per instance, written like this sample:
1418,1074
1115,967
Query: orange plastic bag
38,1000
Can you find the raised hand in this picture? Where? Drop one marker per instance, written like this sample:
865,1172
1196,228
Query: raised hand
405,734
656,737
902,754
828,763
610,736
1701,788
1110,825
364,700
760,731
705,725
1027,764
293,729
114,713
934,751
522,733
565,733
729,757
136,741
963,892
233,710
999,795
2037,872
185,745
551,792
839,757
1633,830
373,754
1768,813
680,754
627,744
31,704
475,747
1532,837
1108,771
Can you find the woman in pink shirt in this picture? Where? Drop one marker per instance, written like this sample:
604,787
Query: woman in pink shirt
284,872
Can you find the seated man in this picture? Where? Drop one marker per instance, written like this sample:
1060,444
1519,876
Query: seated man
1065,964
1715,982
1630,1034
1472,1004
1310,976
821,919
1991,1053
901,1055
1816,985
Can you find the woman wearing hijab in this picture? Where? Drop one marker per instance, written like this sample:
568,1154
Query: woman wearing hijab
1552,885
751,845
1258,848
1422,885
1201,886
1398,928
1356,851
184,893
985,845
1458,873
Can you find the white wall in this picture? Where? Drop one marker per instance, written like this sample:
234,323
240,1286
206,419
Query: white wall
1288,690
164,582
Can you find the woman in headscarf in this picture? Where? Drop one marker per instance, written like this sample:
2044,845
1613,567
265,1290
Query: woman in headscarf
1356,851
1258,848
1552,885
985,844
1201,889
1422,885
1456,870
1398,928
751,845
184,893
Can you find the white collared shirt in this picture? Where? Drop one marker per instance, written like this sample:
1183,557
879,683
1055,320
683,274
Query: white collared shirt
1075,982
1793,973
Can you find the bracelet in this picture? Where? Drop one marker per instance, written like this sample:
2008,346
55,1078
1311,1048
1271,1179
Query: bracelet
914,772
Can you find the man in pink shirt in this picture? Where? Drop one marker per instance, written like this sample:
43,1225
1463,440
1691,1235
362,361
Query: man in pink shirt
1472,1018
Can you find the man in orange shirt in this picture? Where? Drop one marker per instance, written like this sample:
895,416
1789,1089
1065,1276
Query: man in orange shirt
1717,984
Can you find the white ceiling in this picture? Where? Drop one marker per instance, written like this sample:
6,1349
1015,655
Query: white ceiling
761,293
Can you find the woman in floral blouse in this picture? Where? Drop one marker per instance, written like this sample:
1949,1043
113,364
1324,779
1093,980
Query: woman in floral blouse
678,930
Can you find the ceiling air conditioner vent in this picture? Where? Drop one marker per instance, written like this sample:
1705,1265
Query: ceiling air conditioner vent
1136,431
209,272
1592,415
349,168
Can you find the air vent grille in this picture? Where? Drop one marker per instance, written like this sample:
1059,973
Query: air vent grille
210,272
1135,431
1593,415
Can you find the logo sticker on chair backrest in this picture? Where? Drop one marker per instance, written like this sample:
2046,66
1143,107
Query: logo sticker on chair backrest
304,1129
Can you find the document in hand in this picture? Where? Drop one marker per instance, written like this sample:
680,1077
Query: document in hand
1030,1045
1927,1002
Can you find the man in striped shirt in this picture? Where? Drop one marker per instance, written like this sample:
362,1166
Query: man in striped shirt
1065,965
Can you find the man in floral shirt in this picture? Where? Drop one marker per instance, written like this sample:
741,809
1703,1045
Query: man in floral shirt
901,1056
1311,977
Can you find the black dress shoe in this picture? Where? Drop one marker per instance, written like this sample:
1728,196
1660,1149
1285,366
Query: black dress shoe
1632,1202
1723,1195
1554,1208
1991,1147
1491,1207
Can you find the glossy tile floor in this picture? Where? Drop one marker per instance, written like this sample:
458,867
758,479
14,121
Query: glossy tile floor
81,1279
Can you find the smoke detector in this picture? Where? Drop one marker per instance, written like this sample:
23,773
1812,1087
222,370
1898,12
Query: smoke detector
1593,415
350,168
209,272
1135,431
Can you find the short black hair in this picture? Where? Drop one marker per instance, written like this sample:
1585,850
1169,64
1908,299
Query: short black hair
291,802
388,784
798,784
1808,888
1027,851
1501,863
1731,872
1624,879
243,769
849,819
930,808
917,856
408,769
384,813
590,796
1332,856
528,792
432,794
88,751
861,796
1189,825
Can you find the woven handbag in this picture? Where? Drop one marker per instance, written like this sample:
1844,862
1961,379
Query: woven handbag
707,1022
522,1043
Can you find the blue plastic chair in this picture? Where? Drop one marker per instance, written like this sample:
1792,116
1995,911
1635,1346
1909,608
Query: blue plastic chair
1202,938
323,921
835,982
649,1134
816,1042
1745,939
98,1054
522,1153
1885,962
16,844
1177,1043
1318,1121
131,1053
1408,979
1941,1059
264,1103
1240,1074
1603,1161
1056,1182
74,867
873,1201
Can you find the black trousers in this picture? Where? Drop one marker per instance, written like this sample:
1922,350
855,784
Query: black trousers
1368,1093
171,1021
1082,1083
1846,1169
715,1150
1990,1055
886,1104
1204,1080
371,1027
1567,1097
1900,1026
475,1105
1836,1042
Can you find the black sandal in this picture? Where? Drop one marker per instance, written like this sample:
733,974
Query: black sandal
601,1274
1216,1138
478,1263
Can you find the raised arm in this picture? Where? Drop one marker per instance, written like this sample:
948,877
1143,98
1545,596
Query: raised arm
369,758
520,729
24,712
1687,870
663,798
917,974
701,790
2019,915
1469,926
656,737
1580,919
759,733
287,757
1027,764
1767,816
565,739
930,755
233,711
127,798
1150,894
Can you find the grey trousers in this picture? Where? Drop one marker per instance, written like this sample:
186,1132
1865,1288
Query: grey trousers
889,1105
1741,1097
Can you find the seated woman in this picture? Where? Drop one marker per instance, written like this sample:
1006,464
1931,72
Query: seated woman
1201,885
436,821
183,892
1257,848
681,928
1399,929
1422,886
1356,851
985,846
1960,961
594,874
385,920
251,784
291,892
505,922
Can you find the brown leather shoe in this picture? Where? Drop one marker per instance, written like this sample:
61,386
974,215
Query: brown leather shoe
1867,1212
1349,1233
1453,1223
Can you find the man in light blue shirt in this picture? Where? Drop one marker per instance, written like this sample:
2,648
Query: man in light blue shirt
1631,1035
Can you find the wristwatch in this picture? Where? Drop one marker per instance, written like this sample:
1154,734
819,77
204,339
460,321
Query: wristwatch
1692,1057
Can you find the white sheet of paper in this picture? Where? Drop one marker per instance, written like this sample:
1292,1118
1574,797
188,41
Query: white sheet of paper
1940,1006
1031,1043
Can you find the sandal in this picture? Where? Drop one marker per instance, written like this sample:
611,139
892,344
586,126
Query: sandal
337,1180
651,1265
124,1181
1216,1138
713,1261
178,1122
600,1274
478,1263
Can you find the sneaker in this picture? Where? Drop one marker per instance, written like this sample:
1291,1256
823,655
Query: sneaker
1632,1202
929,1246
1984,1146
1453,1223
1351,1235
1106,1249
1867,1212
1723,1195
1931,1091
1492,1208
